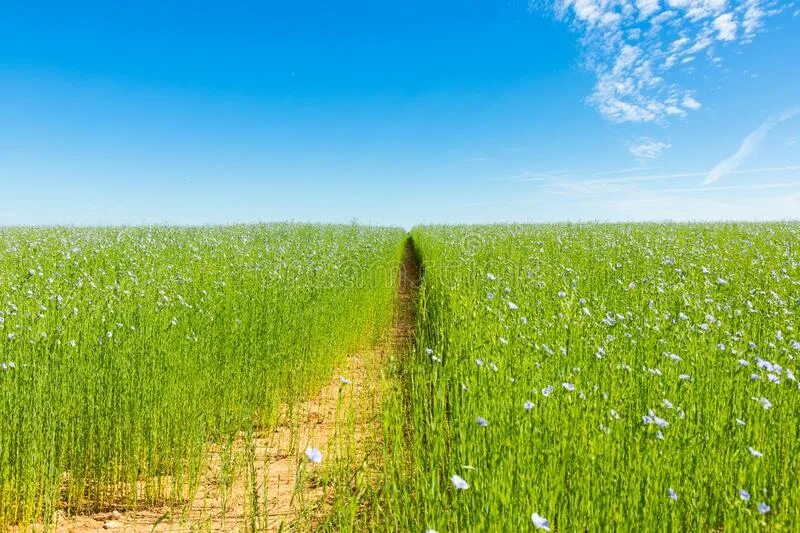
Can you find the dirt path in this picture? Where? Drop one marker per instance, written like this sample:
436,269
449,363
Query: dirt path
265,482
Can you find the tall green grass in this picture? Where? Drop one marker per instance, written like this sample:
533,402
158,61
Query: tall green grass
595,326
125,352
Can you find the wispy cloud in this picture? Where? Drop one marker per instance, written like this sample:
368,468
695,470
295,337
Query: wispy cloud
643,178
748,146
648,148
595,188
534,176
617,172
644,205
742,187
632,46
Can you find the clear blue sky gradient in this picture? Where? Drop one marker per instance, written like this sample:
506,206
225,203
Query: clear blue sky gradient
208,112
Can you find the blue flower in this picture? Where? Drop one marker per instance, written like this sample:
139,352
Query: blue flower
459,483
540,522
314,455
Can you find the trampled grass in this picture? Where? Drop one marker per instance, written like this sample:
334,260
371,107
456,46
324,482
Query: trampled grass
126,352
593,377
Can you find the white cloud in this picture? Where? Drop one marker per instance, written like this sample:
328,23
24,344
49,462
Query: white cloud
649,149
647,7
748,146
726,27
633,45
690,103
753,17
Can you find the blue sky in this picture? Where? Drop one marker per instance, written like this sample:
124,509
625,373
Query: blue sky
483,111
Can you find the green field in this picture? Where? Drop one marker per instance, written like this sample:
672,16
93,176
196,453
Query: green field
604,377
579,377
127,352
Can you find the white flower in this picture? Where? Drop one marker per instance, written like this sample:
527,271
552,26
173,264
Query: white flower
459,483
568,386
754,452
482,422
490,276
744,495
529,405
540,522
740,421
765,403
763,508
314,455
512,306
672,494
344,380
